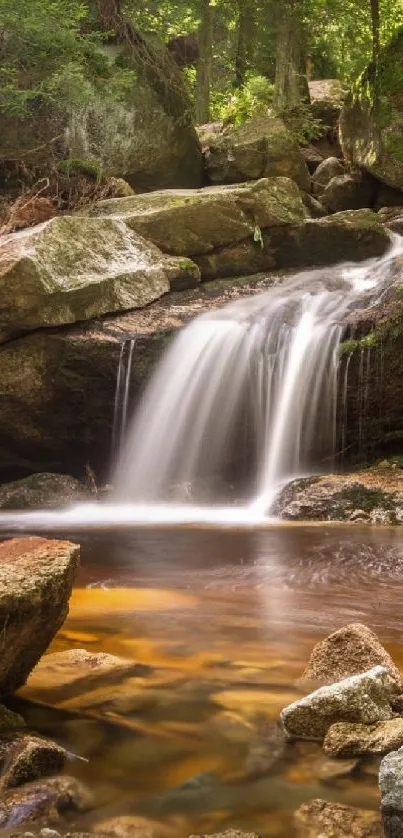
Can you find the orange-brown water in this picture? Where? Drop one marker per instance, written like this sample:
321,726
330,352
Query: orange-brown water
223,622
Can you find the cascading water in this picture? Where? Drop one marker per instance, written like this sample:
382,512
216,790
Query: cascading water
273,358
121,405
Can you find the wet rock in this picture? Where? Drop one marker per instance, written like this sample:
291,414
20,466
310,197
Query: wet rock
391,786
27,758
71,269
331,770
349,650
42,491
265,752
36,578
347,192
9,720
133,826
46,800
62,675
363,698
193,222
328,169
262,147
365,496
320,819
349,740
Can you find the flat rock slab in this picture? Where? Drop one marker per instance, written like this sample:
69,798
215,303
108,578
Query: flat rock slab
70,269
348,651
62,675
361,698
320,819
349,740
36,579
192,222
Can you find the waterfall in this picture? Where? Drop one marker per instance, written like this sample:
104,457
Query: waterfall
121,404
269,361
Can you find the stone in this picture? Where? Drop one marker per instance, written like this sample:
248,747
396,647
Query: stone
36,579
9,720
391,786
62,675
312,156
347,192
348,651
364,496
363,698
144,135
321,819
71,269
344,739
345,236
229,833
194,222
261,147
331,770
182,273
328,169
134,826
45,800
42,491
371,137
27,758
313,207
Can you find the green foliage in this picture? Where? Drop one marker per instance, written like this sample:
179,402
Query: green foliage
303,123
253,99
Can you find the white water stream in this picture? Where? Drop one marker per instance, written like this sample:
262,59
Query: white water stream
273,357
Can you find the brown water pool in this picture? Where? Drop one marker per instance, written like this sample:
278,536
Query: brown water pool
224,622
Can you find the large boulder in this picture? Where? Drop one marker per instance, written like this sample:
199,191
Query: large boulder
262,147
193,222
140,131
36,578
328,169
371,121
71,269
348,192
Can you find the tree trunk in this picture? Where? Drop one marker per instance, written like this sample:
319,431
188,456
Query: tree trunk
204,63
291,84
246,36
108,14
375,19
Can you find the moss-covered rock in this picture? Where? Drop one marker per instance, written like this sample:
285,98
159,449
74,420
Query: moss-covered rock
71,269
370,493
41,491
371,124
139,131
191,222
262,147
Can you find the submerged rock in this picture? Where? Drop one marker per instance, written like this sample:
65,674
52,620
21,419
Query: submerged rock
41,491
361,698
372,118
27,758
45,800
36,578
134,826
193,222
348,651
391,785
71,269
360,496
262,147
344,739
62,675
321,819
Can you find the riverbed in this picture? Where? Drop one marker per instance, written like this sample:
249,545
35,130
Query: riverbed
221,623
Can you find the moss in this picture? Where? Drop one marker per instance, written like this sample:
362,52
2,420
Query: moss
367,499
74,166
351,345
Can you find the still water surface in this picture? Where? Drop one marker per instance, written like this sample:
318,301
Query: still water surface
223,622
